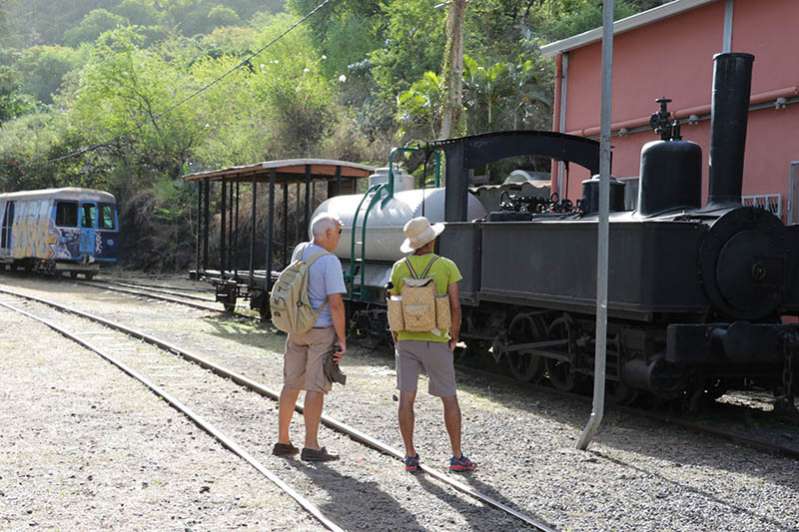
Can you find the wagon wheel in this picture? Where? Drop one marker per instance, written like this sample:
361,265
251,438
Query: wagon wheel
621,394
89,276
524,366
73,275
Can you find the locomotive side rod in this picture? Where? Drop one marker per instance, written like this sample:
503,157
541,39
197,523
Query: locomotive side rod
603,231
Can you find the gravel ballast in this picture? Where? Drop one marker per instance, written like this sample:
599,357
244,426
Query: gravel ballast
84,447
640,475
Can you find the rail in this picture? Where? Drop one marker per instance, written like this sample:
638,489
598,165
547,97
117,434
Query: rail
229,443
357,435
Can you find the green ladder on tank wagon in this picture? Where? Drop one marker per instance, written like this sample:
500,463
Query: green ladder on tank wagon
357,264
375,193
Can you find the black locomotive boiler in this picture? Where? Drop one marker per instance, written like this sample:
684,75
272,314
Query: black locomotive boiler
697,295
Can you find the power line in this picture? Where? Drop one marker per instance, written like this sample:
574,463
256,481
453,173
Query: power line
215,81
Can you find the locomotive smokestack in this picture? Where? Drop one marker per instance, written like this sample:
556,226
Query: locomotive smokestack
729,112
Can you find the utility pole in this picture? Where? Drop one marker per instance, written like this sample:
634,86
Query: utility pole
453,70
603,231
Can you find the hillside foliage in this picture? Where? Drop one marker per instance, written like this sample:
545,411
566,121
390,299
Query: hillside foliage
91,91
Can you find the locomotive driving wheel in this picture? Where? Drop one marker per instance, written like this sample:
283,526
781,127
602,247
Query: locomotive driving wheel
523,365
561,375
620,394
560,371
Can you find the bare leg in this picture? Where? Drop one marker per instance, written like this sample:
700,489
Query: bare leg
406,421
288,398
452,419
314,401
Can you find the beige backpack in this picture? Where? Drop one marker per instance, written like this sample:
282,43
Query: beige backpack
419,300
289,304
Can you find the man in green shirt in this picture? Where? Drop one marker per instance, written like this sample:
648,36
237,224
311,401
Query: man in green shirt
428,351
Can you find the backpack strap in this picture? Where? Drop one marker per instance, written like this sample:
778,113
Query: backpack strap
424,272
429,265
309,263
410,268
314,258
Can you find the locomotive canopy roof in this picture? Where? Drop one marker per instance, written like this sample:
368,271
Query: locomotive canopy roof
73,193
286,171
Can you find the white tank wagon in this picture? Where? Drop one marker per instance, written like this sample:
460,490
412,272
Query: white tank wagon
384,226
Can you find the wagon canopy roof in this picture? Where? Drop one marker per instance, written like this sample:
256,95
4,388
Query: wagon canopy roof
71,193
286,171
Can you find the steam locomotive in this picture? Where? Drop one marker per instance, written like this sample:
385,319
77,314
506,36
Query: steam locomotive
697,295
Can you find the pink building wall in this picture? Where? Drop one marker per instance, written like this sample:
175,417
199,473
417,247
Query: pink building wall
673,58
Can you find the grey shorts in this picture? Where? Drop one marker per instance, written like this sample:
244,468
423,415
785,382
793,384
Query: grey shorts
433,358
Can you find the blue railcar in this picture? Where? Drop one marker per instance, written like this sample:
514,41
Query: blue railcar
65,230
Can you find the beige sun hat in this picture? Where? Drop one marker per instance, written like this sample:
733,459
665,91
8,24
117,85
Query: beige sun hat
419,232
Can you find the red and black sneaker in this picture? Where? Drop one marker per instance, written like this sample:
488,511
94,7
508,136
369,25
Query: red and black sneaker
412,463
462,464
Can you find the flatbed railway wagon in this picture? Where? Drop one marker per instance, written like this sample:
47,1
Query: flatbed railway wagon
283,190
63,230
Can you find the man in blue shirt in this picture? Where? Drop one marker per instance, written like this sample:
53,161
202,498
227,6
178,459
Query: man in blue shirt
303,362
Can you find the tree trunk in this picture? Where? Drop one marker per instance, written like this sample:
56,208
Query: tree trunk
453,71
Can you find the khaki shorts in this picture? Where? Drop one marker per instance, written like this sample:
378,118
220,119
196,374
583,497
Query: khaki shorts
304,361
434,358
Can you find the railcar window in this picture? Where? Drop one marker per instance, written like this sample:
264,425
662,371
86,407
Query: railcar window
107,217
88,215
8,221
66,214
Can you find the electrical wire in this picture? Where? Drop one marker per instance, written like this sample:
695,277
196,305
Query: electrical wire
179,103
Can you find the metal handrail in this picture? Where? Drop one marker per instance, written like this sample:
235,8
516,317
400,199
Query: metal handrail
375,200
351,273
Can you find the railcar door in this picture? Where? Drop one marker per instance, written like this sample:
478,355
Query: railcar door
6,229
108,228
88,229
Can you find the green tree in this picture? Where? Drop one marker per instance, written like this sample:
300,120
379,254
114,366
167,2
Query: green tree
94,24
13,102
220,16
43,69
138,12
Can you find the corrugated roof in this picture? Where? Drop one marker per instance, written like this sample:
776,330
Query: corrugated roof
626,24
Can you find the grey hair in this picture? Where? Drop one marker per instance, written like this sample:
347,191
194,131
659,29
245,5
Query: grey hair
323,222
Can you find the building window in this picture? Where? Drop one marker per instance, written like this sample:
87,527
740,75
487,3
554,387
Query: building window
770,202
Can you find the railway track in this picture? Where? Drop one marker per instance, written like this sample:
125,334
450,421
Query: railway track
231,444
361,437
170,291
152,294
165,287
694,426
